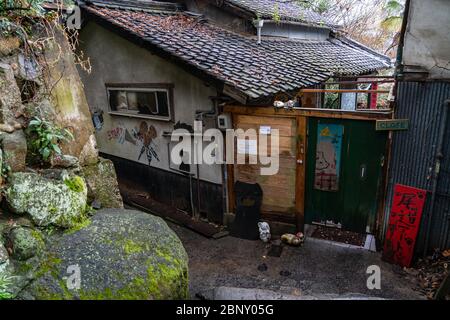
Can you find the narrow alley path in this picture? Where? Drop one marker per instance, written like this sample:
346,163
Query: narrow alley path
317,268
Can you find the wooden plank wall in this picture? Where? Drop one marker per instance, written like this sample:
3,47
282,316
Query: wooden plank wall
279,196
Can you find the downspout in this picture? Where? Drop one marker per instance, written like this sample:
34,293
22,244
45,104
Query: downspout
258,23
199,116
401,44
437,170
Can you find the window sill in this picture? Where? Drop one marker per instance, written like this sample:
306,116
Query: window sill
139,116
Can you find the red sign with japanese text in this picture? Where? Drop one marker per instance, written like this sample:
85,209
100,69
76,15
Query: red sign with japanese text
404,223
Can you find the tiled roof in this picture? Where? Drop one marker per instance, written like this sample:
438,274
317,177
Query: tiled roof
287,10
258,71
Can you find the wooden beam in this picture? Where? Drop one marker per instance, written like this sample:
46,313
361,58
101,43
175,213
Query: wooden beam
300,179
230,186
359,82
342,91
309,112
230,179
367,77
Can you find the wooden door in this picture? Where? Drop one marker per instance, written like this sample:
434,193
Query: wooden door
283,198
353,204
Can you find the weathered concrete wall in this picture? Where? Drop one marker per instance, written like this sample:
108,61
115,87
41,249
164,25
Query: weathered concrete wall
427,38
116,60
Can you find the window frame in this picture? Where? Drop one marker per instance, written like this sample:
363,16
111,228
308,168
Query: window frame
142,87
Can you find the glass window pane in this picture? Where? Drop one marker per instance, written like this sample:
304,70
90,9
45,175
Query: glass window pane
140,101
146,103
163,103
118,100
132,101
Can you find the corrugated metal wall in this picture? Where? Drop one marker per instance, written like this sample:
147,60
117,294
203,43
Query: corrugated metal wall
413,153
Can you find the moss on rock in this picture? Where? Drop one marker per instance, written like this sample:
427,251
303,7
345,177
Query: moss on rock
122,255
47,201
26,243
76,184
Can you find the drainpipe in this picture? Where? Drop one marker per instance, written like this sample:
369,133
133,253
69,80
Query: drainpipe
436,173
399,60
259,23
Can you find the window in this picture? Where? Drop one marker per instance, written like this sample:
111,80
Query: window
144,102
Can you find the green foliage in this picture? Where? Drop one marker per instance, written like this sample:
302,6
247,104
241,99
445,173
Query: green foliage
394,6
47,138
75,183
28,7
5,283
6,169
276,14
395,11
319,6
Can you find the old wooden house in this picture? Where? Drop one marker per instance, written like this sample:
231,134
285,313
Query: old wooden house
226,63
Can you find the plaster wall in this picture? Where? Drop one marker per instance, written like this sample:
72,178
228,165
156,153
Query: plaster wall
116,60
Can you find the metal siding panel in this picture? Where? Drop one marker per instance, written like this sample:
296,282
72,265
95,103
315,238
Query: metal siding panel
413,152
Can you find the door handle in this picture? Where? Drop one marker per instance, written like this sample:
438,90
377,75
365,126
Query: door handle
363,172
300,161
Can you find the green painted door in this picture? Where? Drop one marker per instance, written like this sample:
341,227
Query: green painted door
354,201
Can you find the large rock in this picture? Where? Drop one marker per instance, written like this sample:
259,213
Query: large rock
64,161
102,184
26,243
14,147
48,201
5,274
9,45
10,98
3,254
67,96
121,255
3,227
89,154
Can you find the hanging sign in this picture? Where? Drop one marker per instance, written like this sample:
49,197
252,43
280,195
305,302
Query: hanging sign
328,157
392,125
404,223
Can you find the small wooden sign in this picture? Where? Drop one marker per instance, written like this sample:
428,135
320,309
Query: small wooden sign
392,125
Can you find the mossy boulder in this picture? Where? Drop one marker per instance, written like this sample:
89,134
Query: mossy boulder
10,98
26,243
9,45
3,254
14,147
48,202
3,227
121,255
102,184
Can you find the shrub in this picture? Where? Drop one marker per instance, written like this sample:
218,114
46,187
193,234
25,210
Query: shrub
47,138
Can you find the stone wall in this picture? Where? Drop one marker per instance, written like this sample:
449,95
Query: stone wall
38,78
43,81
48,204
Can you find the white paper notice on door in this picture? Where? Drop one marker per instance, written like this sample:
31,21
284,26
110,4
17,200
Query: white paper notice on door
265,130
249,147
348,101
